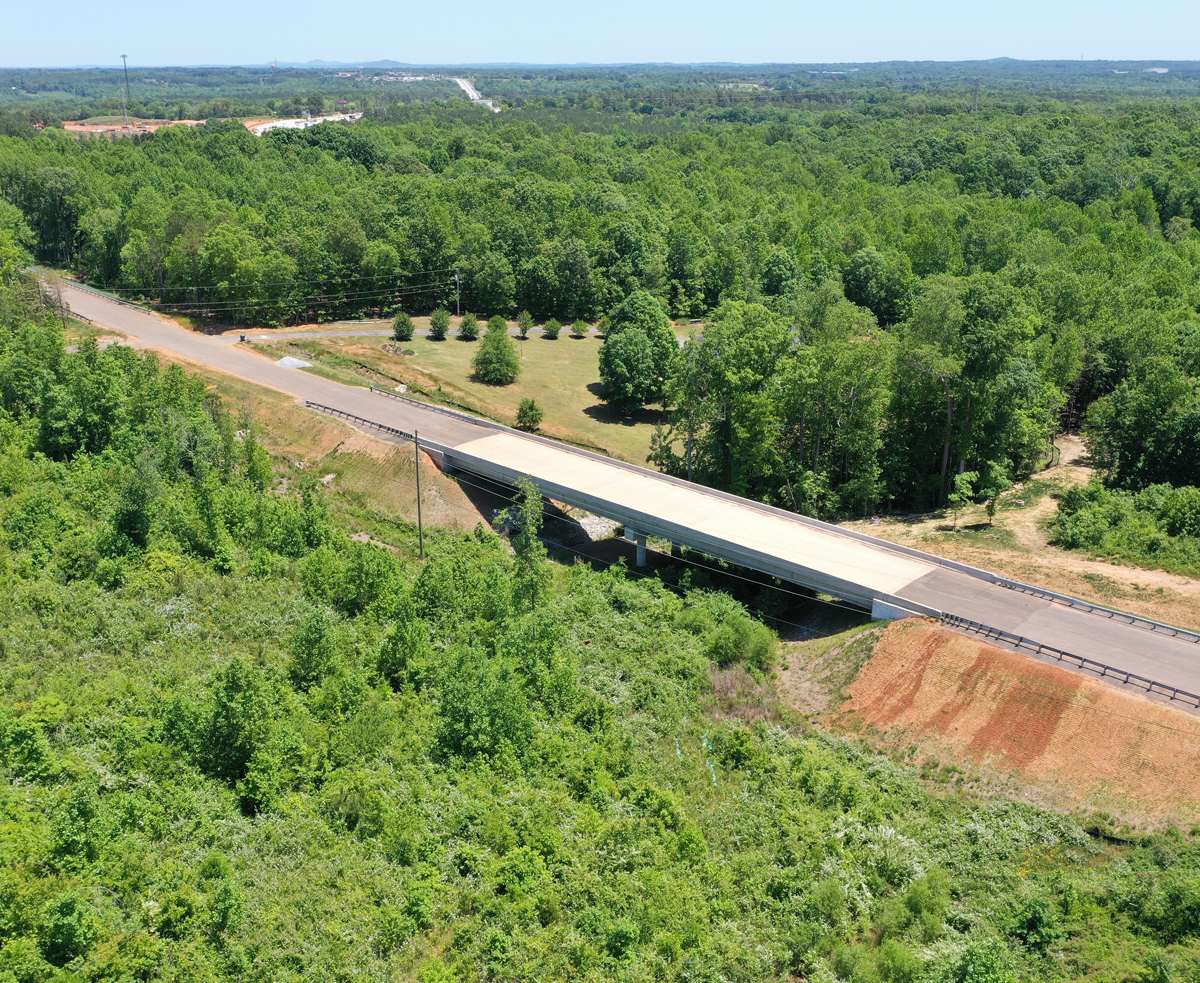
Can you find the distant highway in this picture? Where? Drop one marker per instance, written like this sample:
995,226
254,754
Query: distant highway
475,95
889,579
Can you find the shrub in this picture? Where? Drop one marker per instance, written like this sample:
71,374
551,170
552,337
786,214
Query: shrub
1036,924
550,329
469,580
468,327
580,329
524,323
484,712
24,748
497,362
314,650
69,929
529,414
402,327
734,637
225,906
401,656
439,324
369,573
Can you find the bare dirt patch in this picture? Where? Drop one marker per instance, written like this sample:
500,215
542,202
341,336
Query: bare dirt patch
1084,743
813,673
119,127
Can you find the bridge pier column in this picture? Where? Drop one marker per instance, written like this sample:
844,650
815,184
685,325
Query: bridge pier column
641,549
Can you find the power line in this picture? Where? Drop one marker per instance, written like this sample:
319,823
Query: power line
325,301
278,283
345,294
682,592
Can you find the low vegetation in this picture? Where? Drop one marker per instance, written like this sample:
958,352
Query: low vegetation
236,744
1157,527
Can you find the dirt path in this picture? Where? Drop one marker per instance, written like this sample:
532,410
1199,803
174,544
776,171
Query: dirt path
1028,525
1018,546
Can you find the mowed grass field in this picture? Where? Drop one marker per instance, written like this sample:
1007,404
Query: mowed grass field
561,375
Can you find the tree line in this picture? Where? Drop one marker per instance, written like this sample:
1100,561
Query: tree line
888,301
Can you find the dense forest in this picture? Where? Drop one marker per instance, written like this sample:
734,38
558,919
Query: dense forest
899,304
236,744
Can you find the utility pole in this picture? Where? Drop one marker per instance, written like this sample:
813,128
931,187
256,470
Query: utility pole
417,457
125,98
457,294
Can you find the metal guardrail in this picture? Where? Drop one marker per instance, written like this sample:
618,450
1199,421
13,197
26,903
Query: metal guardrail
100,293
950,620
1020,642
1102,612
332,411
444,410
66,311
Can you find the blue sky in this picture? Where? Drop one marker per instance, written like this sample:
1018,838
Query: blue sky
184,32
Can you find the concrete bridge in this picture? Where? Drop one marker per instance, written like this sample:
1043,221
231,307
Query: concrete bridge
888,579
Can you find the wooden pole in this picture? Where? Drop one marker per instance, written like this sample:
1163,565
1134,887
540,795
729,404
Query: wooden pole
417,457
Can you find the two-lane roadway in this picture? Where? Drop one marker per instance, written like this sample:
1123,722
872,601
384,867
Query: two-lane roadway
827,558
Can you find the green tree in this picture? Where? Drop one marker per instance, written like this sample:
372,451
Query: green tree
493,284
884,285
524,323
963,494
439,324
468,327
640,311
529,414
628,371
402,327
314,650
238,721
531,578
551,329
497,361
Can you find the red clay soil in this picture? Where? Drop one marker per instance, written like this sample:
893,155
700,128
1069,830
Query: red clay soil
953,695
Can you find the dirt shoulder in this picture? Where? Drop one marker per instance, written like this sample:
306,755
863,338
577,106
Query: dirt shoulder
1018,546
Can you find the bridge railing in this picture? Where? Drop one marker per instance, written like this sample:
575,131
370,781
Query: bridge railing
965,568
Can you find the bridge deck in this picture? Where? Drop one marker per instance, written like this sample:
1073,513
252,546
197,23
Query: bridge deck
825,557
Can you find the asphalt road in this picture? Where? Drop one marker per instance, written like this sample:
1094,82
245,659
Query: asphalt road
623,493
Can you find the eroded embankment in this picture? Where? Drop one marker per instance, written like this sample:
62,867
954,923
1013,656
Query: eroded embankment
951,694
